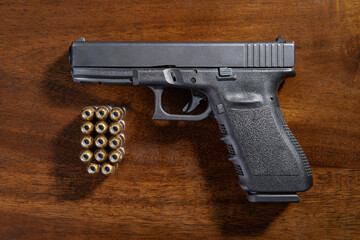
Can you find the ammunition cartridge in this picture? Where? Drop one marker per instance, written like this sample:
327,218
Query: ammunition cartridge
88,113
107,169
101,141
117,113
93,168
86,156
116,141
101,127
116,127
122,136
116,156
102,112
87,141
87,127
101,155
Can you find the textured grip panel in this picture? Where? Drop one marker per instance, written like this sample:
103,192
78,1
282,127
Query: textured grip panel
294,142
239,170
298,149
266,155
262,143
269,162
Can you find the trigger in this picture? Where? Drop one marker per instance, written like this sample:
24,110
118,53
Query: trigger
196,98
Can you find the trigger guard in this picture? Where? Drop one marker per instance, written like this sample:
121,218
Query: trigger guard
161,114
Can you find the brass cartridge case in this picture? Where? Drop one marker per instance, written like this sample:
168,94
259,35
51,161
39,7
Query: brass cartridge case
107,169
87,141
117,113
88,113
122,136
100,155
87,127
93,168
86,156
101,127
116,127
101,141
102,112
116,141
116,156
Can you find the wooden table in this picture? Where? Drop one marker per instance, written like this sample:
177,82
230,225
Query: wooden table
175,181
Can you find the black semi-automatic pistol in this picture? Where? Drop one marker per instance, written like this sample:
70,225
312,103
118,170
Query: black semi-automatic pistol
240,80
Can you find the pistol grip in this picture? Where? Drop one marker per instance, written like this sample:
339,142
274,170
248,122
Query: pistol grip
269,161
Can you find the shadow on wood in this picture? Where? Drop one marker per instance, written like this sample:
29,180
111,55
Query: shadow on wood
238,216
61,91
72,180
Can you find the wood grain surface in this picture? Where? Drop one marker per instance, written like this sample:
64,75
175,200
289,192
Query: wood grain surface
175,181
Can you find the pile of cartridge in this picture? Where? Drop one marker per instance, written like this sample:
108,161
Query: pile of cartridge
103,138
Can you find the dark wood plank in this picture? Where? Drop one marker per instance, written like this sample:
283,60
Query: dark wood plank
176,181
